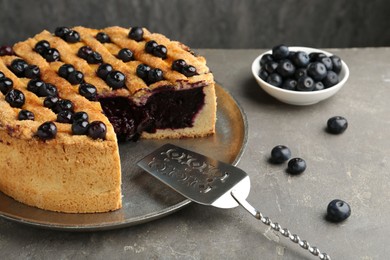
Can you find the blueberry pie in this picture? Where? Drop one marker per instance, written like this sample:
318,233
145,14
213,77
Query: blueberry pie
68,97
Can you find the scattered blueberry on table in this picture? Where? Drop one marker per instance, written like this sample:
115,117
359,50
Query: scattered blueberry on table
337,125
338,210
280,154
296,166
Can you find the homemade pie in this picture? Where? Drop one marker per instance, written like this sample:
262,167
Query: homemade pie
67,98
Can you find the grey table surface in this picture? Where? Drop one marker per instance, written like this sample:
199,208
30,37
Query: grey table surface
354,166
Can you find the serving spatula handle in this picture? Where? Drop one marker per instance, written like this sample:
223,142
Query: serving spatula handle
275,226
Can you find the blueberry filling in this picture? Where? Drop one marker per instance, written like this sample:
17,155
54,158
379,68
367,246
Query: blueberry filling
165,109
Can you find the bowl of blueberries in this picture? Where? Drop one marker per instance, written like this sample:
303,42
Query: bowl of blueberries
299,75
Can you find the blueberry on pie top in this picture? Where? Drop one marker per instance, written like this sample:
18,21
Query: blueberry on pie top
66,99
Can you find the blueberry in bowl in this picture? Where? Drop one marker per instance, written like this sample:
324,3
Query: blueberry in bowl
300,75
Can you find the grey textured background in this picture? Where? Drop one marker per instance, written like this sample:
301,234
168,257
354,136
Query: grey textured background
212,23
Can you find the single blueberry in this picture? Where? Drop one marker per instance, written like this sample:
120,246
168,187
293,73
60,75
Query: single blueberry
160,51
103,70
103,37
6,50
34,85
289,84
47,89
265,58
300,72
80,116
25,115
154,76
51,55
62,105
97,130
65,116
94,58
15,98
32,72
338,210
116,79
314,56
18,66
305,84
150,45
330,79
318,85
327,62
50,101
65,70
76,77
178,65
300,59
270,66
316,70
143,71
263,74
47,131
280,52
337,125
189,71
6,85
275,80
285,68
125,55
337,64
80,127
88,91
136,33
42,46
280,154
296,166
84,52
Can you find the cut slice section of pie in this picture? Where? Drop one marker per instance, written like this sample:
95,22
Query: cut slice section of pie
66,98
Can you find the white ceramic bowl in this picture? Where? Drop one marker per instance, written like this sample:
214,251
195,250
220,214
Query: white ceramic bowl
300,98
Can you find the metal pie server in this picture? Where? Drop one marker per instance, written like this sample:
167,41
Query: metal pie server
210,182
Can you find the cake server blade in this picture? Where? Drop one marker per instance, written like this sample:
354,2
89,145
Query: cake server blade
210,182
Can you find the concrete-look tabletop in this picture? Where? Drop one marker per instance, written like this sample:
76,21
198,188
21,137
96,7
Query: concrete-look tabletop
353,166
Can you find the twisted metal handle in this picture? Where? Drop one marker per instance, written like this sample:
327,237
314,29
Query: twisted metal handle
284,231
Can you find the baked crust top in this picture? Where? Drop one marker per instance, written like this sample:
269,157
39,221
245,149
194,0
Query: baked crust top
136,88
